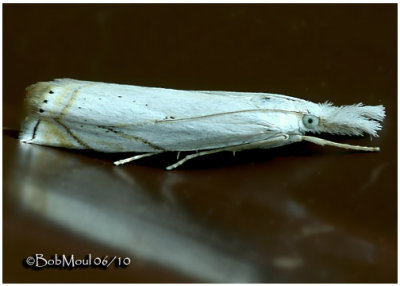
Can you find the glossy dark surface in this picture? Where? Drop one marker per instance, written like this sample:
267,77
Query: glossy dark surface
300,213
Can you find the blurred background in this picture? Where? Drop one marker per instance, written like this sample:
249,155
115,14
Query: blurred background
300,213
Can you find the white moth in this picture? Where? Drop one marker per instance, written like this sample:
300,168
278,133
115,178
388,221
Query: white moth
126,118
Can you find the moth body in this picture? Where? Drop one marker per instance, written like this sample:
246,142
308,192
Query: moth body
125,118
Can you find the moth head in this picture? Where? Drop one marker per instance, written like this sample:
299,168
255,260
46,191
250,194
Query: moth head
353,120
310,122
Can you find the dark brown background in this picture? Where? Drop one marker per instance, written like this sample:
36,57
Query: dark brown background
301,213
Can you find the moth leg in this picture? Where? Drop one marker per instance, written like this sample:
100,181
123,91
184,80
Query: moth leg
259,144
137,157
323,142
191,156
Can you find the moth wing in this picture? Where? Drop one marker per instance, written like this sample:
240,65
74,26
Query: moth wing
121,118
255,95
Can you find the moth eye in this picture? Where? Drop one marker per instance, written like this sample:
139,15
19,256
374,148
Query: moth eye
310,121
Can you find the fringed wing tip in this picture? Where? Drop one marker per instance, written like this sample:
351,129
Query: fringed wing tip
24,136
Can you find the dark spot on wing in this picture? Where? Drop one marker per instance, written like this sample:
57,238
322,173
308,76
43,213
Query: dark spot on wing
41,110
45,101
169,117
108,129
51,92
